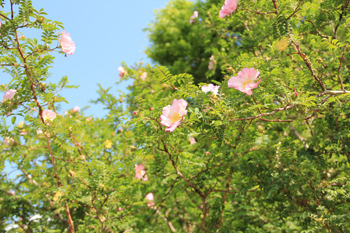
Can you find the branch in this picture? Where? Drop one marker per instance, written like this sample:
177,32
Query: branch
341,17
70,221
266,114
178,172
308,63
274,4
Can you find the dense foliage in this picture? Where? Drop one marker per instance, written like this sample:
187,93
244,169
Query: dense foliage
267,151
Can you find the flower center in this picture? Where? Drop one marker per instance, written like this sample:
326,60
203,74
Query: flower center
175,117
245,82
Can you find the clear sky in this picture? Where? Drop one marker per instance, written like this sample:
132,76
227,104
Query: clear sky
105,33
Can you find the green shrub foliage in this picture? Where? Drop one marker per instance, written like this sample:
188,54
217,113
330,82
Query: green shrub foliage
274,161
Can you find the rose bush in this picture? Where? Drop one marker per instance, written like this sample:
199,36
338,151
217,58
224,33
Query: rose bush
275,160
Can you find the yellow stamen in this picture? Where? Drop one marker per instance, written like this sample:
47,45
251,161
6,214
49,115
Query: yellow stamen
175,117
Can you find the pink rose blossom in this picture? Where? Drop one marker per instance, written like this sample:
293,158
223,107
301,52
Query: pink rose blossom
152,91
140,172
193,17
245,80
67,44
9,95
48,115
39,131
173,114
143,76
150,199
229,7
122,71
75,109
0,23
8,141
211,65
192,140
211,88
23,132
207,153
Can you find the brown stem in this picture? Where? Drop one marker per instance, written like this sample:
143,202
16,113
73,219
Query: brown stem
344,7
53,161
224,201
204,211
267,114
274,4
339,76
178,172
308,64
70,221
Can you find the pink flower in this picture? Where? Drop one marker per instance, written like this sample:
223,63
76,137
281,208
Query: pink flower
193,17
39,131
245,80
207,153
23,132
75,109
211,88
0,23
192,140
8,141
229,7
49,115
211,65
140,172
172,115
122,71
9,95
150,199
67,44
143,76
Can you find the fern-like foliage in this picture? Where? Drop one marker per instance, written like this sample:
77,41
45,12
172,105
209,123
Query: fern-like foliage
280,27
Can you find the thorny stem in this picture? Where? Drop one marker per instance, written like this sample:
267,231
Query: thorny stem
308,63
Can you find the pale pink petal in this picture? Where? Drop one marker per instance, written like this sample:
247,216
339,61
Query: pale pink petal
165,120
231,4
235,82
180,106
143,76
9,94
173,127
150,197
248,92
192,140
76,109
67,44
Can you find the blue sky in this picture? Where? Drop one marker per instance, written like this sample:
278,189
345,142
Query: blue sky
106,33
